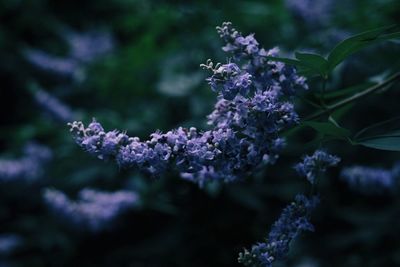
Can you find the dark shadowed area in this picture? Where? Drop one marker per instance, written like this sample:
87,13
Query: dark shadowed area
134,66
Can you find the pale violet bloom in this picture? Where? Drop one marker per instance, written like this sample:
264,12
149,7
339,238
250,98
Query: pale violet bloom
27,168
293,220
253,105
93,210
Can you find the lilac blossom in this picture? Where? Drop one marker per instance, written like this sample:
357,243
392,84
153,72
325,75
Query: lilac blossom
9,242
253,106
369,180
93,210
266,75
312,165
27,168
53,106
88,46
59,65
312,12
293,220
84,48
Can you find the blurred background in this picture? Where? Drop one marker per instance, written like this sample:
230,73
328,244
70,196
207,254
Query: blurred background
134,65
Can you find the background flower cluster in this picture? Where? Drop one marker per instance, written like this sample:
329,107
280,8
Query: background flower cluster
134,66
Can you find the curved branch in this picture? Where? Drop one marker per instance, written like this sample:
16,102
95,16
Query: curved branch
339,104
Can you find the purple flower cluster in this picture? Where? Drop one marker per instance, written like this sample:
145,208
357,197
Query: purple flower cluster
66,67
312,12
27,168
94,210
370,180
266,75
312,165
53,106
84,48
8,243
88,46
293,220
253,107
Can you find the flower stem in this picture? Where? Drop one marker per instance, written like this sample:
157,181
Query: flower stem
339,104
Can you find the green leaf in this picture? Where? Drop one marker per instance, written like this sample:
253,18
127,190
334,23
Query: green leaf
384,135
379,129
347,91
357,42
310,64
340,112
293,130
307,72
310,102
307,64
314,62
328,128
383,142
390,36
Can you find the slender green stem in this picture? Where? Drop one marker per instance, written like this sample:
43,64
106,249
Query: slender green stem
323,89
376,125
339,104
311,103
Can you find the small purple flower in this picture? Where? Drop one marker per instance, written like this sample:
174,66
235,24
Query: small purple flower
88,46
27,168
84,48
95,127
264,72
313,12
53,106
253,106
62,66
9,242
369,180
312,165
293,220
94,210
229,80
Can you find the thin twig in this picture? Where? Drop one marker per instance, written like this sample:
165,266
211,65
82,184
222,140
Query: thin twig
372,89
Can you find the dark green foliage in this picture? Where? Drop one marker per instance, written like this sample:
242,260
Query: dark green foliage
327,128
310,64
180,224
357,42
